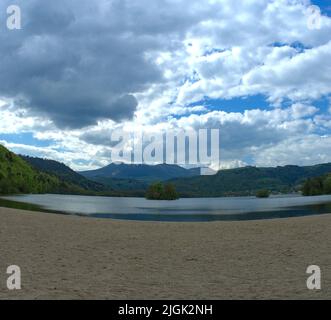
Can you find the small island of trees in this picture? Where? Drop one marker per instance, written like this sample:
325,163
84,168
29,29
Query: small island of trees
160,191
263,194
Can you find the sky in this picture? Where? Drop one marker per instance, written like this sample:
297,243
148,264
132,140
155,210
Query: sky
78,70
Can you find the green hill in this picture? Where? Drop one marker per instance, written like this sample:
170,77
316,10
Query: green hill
249,180
122,184
64,173
99,187
17,176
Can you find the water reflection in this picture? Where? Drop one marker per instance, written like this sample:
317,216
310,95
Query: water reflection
189,210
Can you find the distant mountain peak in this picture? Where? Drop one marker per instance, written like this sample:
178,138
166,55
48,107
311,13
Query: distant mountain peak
141,172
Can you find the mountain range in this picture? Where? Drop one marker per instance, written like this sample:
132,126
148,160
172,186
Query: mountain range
139,172
22,174
249,180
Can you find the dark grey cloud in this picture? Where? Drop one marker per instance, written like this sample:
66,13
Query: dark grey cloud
99,137
81,61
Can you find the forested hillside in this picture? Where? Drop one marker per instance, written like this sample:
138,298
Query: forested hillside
18,176
249,180
64,173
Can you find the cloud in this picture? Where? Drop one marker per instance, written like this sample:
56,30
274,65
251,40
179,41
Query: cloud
308,150
242,135
299,77
79,69
71,63
79,62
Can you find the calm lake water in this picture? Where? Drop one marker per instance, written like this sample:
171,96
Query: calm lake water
198,209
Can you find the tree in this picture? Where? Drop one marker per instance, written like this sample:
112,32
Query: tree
170,192
327,185
313,187
155,191
317,186
158,191
263,194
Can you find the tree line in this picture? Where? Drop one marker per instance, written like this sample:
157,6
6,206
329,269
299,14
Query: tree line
317,186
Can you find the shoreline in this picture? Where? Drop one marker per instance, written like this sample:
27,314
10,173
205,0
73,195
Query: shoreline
277,195
71,257
319,205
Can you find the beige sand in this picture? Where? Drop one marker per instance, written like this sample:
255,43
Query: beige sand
65,257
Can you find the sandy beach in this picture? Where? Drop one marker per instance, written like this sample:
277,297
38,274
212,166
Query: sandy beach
67,257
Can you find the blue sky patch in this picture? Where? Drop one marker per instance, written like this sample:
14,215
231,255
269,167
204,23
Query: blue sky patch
239,104
325,6
25,138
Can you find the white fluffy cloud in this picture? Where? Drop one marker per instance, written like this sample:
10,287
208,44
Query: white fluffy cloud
79,69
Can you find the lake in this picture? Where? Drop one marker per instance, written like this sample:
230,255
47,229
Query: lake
184,210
